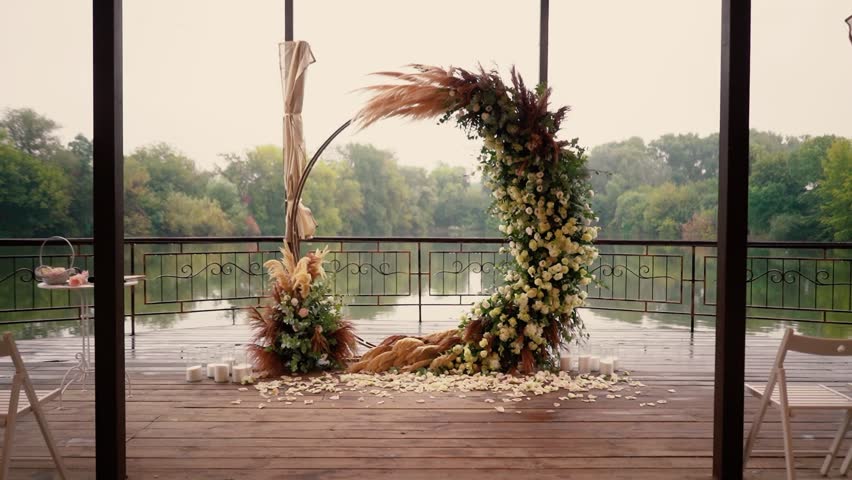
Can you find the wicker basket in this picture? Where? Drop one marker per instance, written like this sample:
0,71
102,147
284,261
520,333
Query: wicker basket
55,275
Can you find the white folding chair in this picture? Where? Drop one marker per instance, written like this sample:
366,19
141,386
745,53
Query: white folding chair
789,398
12,407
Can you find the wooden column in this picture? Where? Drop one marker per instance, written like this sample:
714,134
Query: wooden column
108,240
732,241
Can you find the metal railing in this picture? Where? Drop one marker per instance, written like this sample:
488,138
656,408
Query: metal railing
787,281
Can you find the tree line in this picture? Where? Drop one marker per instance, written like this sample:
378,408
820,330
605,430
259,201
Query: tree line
664,189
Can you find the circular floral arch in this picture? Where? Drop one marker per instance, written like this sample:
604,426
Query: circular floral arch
541,197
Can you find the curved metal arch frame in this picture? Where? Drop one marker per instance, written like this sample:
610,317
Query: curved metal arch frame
294,241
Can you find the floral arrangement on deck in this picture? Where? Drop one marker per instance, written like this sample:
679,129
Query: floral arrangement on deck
303,329
541,196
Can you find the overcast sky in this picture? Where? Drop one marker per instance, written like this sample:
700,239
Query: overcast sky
203,75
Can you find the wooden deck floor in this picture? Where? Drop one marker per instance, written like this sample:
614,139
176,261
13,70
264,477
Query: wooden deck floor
190,431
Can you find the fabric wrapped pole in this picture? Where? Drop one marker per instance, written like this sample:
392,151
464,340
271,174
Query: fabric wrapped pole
295,57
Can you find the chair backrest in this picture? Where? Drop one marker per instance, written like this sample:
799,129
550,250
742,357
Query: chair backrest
793,342
6,343
9,349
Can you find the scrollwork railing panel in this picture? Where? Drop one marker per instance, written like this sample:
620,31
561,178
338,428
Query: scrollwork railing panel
465,273
655,278
793,283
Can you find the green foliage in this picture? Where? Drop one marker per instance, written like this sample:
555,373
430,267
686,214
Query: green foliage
259,179
836,190
35,197
192,216
690,157
318,311
29,132
663,189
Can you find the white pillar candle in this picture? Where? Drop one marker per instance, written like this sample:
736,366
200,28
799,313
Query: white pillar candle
194,373
606,367
594,363
220,372
615,364
565,363
584,363
240,372
210,370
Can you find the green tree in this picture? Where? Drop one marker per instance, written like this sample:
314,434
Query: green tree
618,167
689,156
259,178
29,132
194,217
35,197
382,188
170,171
836,190
783,204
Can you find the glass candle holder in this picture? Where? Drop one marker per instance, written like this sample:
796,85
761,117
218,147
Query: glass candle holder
228,356
565,360
584,360
241,369
193,365
606,366
615,359
213,356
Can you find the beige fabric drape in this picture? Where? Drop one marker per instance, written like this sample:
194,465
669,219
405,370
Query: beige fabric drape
295,57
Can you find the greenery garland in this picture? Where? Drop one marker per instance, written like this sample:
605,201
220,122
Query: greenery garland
541,196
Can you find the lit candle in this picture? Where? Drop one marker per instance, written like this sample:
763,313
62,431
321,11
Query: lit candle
220,372
565,363
194,373
594,363
240,372
606,367
584,363
210,370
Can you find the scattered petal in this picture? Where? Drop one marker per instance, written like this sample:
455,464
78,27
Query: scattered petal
236,402
557,404
500,409
242,389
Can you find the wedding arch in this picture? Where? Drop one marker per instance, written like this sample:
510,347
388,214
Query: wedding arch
541,197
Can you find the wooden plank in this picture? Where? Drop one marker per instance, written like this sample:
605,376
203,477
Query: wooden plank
177,430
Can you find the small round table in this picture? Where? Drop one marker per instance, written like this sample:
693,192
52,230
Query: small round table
85,366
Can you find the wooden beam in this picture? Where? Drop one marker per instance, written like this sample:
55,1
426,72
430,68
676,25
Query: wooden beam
288,20
543,35
732,241
109,240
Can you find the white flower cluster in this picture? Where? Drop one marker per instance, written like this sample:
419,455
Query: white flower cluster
541,197
548,224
